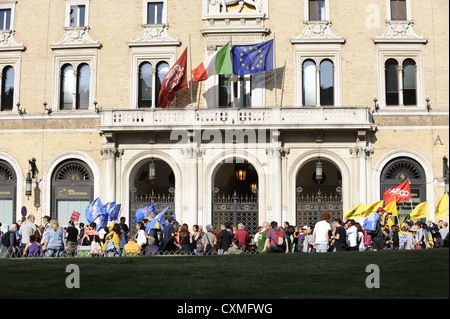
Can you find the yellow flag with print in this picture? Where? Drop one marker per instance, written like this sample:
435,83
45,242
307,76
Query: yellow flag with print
441,208
392,208
349,214
367,209
421,211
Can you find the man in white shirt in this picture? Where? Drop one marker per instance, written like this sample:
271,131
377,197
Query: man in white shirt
352,235
320,234
26,229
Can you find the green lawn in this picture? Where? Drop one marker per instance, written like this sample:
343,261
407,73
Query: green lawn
403,274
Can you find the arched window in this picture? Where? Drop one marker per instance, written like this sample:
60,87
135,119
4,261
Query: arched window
391,76
161,70
83,86
66,91
72,190
309,83
326,83
8,183
145,85
409,82
7,98
396,172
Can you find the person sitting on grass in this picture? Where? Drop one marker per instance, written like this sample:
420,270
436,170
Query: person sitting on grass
235,249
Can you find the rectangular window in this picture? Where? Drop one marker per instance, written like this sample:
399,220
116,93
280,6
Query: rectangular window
316,10
77,16
242,87
154,12
5,19
398,10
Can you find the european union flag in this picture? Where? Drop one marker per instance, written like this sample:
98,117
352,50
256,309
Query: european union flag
248,59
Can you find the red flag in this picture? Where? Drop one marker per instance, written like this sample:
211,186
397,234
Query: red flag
400,193
175,80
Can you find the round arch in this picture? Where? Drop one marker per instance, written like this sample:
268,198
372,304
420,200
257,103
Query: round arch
212,168
129,174
54,164
408,153
312,155
20,181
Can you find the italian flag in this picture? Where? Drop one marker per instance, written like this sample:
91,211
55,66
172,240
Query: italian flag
217,63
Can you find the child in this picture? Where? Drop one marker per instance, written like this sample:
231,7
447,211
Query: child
234,249
33,248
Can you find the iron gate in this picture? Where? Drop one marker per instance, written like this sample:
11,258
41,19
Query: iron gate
142,200
235,209
310,207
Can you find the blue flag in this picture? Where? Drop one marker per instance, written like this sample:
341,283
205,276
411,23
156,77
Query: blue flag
94,210
144,213
113,213
248,59
158,219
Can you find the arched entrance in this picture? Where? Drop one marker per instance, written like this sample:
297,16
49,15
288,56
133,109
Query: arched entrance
396,172
152,181
72,190
8,185
235,195
315,195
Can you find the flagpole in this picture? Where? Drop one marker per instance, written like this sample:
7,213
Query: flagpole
190,68
233,104
275,69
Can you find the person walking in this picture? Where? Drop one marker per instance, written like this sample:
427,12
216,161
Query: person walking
9,249
71,239
26,229
54,240
320,233
276,240
242,235
209,240
352,235
224,240
111,247
339,236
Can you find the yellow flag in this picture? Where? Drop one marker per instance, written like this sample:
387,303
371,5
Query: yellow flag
351,212
421,211
367,209
392,208
441,208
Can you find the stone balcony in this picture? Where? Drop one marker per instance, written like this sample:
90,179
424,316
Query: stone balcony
354,118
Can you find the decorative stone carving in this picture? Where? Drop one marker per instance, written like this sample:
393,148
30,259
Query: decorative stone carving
317,31
230,17
7,42
154,35
400,31
76,37
193,152
218,6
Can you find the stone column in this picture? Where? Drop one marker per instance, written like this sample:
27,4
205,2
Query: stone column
275,188
189,191
361,170
109,174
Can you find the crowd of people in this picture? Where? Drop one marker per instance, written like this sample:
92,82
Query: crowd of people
26,239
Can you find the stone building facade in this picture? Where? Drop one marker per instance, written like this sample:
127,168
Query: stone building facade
360,90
